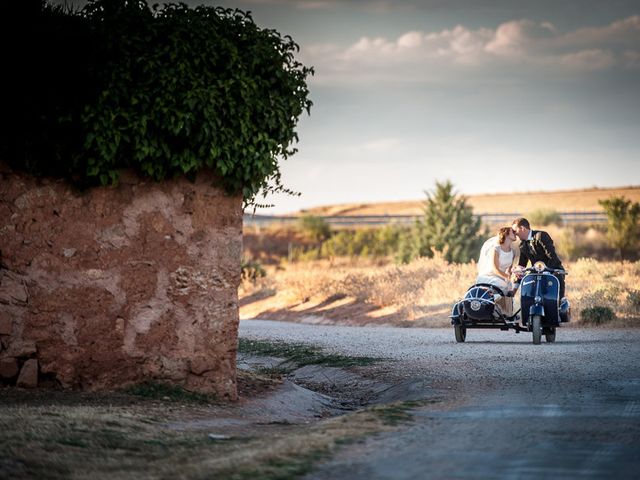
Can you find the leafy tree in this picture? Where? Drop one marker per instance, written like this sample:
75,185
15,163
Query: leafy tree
166,90
623,228
448,226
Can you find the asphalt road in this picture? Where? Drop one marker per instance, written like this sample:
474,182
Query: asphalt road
508,409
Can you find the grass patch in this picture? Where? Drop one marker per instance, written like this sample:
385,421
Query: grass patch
397,413
286,468
172,393
299,355
107,441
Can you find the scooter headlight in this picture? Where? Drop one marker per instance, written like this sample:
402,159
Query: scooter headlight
539,267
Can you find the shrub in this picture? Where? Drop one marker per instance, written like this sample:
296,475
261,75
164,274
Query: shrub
251,270
544,217
597,315
316,228
568,246
364,242
623,227
166,90
633,300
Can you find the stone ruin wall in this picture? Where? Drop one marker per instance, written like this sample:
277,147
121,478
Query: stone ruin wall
113,286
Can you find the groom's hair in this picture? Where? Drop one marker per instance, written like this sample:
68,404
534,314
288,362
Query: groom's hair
521,222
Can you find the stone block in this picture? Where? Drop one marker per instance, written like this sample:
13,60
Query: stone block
12,289
6,324
8,367
28,377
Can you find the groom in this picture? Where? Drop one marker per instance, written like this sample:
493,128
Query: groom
536,245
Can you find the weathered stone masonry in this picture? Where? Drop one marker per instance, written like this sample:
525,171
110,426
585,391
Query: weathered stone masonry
118,285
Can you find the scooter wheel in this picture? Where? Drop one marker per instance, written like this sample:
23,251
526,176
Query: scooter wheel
536,328
461,333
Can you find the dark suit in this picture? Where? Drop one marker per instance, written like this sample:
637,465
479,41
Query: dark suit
540,248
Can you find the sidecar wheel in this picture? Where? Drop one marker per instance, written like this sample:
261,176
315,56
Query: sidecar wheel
536,328
550,336
461,333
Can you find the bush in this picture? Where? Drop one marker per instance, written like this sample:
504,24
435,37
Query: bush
544,217
316,228
623,227
568,246
597,315
167,90
251,270
364,242
633,300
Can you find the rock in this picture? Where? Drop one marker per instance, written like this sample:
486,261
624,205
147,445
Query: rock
6,324
12,289
201,364
22,348
69,252
28,374
8,368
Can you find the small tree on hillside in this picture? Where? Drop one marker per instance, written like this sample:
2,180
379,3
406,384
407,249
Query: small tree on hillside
623,229
448,226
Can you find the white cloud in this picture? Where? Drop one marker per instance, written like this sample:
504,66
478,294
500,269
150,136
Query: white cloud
420,56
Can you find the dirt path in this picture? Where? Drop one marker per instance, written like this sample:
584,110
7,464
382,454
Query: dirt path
513,410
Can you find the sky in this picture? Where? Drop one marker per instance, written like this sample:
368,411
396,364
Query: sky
495,96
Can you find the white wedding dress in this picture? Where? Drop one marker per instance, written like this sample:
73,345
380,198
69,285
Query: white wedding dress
485,264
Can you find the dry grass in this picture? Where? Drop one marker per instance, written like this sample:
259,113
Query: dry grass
562,201
421,292
58,440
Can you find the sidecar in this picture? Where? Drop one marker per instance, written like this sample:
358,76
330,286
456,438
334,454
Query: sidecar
478,309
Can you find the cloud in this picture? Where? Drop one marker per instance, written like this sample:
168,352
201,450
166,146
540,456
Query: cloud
378,6
423,56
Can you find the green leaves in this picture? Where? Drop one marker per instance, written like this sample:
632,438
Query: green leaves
623,228
172,90
448,227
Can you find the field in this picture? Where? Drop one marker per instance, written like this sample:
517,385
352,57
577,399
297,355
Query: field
584,200
361,292
352,276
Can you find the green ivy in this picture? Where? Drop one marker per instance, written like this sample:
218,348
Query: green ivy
166,90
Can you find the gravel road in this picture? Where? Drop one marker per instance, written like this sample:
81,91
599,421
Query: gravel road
510,409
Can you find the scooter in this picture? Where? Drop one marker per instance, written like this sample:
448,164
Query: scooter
541,308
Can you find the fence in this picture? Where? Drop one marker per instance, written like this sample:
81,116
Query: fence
377,220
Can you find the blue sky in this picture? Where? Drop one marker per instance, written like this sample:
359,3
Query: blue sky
494,95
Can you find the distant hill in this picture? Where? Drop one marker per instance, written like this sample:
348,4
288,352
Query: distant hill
583,200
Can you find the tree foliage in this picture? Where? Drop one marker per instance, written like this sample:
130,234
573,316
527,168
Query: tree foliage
448,226
623,228
166,90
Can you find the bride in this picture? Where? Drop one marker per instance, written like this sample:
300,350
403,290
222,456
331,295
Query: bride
497,257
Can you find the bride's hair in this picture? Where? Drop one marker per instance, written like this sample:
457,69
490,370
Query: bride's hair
503,233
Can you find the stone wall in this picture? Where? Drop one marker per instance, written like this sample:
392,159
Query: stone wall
114,286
